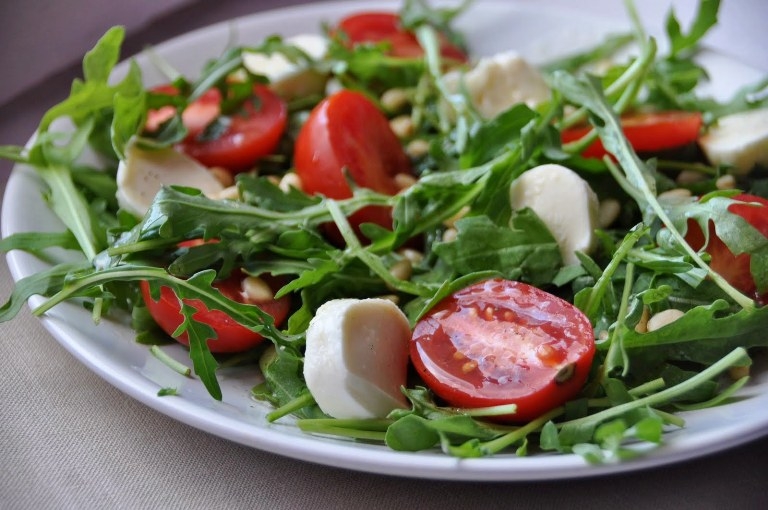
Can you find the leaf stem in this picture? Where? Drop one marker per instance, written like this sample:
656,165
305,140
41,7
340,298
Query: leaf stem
176,366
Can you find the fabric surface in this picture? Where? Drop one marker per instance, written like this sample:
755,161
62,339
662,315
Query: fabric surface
69,440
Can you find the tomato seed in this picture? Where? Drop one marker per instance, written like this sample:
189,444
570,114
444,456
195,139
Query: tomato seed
469,366
565,373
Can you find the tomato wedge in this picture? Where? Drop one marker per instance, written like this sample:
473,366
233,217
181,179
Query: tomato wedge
504,342
231,336
734,268
376,27
253,132
647,132
347,131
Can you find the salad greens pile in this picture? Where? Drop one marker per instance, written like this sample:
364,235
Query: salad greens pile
643,263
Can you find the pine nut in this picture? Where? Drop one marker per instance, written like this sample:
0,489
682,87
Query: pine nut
256,290
222,175
726,181
642,324
290,180
689,177
402,269
417,148
675,195
451,222
402,126
736,373
404,181
394,100
229,193
663,318
414,256
450,235
607,212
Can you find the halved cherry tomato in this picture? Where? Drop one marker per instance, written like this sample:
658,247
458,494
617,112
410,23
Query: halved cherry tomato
231,336
504,342
375,27
347,131
647,132
734,268
253,132
196,116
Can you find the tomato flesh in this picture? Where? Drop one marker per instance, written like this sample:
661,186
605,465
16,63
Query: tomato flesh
646,132
734,268
253,132
347,131
231,336
504,342
376,27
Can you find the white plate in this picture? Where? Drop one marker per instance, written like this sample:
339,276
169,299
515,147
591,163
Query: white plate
110,351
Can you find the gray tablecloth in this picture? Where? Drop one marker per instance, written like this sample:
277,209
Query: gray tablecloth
70,440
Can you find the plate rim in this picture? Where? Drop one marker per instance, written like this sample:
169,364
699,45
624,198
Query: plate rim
337,453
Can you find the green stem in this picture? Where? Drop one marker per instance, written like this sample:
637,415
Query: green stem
291,407
356,250
502,442
176,366
631,76
604,282
666,395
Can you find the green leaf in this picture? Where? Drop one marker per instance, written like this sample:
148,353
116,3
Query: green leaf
525,250
706,18
42,283
411,433
36,242
99,61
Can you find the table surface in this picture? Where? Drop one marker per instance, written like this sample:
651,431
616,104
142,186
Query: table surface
70,440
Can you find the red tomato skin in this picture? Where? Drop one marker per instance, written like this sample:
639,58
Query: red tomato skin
253,133
504,342
376,27
195,117
734,268
231,336
646,132
347,131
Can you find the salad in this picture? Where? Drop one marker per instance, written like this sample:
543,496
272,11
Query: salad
412,254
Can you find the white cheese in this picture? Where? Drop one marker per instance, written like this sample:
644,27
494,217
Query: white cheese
739,140
498,82
143,172
356,357
287,78
564,202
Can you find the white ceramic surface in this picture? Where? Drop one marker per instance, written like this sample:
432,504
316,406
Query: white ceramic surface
109,350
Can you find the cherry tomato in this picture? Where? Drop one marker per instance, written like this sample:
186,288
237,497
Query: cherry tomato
647,132
734,268
376,27
231,336
253,132
196,116
504,342
347,131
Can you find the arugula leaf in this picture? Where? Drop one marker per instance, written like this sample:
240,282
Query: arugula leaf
36,242
524,251
706,18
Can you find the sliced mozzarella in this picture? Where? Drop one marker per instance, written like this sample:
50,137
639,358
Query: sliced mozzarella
143,172
356,357
498,82
564,202
288,78
739,140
